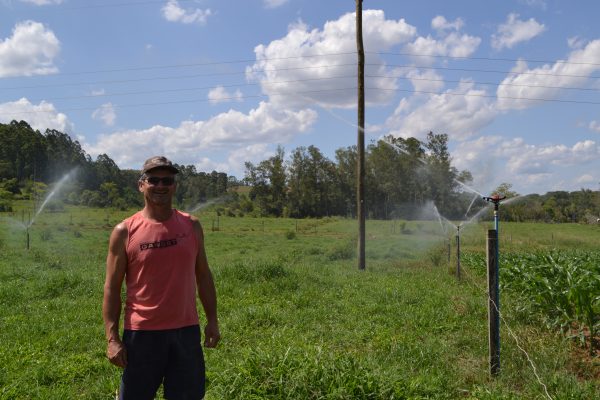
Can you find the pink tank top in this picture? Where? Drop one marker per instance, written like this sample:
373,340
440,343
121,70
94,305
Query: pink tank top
160,275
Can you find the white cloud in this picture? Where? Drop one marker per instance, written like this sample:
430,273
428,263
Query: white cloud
527,159
174,13
546,82
265,124
98,92
221,95
448,43
274,3
535,3
253,153
425,81
586,178
106,113
305,60
42,2
530,168
30,50
460,113
206,164
515,31
595,126
41,117
439,23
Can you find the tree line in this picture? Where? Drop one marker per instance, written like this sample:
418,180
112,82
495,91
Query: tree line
403,176
30,161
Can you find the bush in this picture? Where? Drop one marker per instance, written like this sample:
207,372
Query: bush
55,206
46,235
343,251
5,206
437,255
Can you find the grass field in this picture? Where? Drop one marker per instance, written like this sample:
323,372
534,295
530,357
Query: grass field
298,320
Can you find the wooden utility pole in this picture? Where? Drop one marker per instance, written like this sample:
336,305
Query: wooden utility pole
360,176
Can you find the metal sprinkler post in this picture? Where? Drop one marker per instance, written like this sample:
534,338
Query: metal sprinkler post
458,252
493,288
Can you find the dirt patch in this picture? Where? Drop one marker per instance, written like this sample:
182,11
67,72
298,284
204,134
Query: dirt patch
584,363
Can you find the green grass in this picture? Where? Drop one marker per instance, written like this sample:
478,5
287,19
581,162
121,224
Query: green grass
298,320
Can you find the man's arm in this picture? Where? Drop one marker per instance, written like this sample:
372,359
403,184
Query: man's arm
116,264
206,290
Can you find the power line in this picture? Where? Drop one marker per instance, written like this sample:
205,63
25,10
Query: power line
184,89
268,70
494,97
188,65
303,56
488,58
187,89
485,83
496,71
180,101
292,94
172,77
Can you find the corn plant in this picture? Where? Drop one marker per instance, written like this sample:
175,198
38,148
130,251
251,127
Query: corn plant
562,286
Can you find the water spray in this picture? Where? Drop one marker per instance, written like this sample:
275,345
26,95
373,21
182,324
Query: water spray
56,189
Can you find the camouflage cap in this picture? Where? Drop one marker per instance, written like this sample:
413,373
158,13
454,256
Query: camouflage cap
158,162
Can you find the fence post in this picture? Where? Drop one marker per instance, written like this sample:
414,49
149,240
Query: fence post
493,302
457,255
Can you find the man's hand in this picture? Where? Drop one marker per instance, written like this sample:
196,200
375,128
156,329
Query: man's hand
211,335
116,353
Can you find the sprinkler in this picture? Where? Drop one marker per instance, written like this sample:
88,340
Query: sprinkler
496,199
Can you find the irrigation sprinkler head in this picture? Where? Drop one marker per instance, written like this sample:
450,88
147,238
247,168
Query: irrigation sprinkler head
496,199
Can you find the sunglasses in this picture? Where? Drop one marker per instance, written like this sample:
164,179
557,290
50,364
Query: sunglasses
155,180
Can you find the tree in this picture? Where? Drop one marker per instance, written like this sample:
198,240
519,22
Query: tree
346,179
504,189
312,179
442,175
269,184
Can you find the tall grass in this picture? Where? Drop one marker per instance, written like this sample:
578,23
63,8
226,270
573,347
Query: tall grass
298,319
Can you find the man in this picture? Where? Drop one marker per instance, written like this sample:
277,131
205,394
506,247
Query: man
159,252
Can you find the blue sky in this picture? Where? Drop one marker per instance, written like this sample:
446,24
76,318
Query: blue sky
514,84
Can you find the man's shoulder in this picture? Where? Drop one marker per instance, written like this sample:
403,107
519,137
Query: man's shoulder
192,218
121,230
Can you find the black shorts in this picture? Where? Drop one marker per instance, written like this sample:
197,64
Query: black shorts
172,357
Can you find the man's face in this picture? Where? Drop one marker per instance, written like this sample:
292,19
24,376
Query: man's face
158,187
